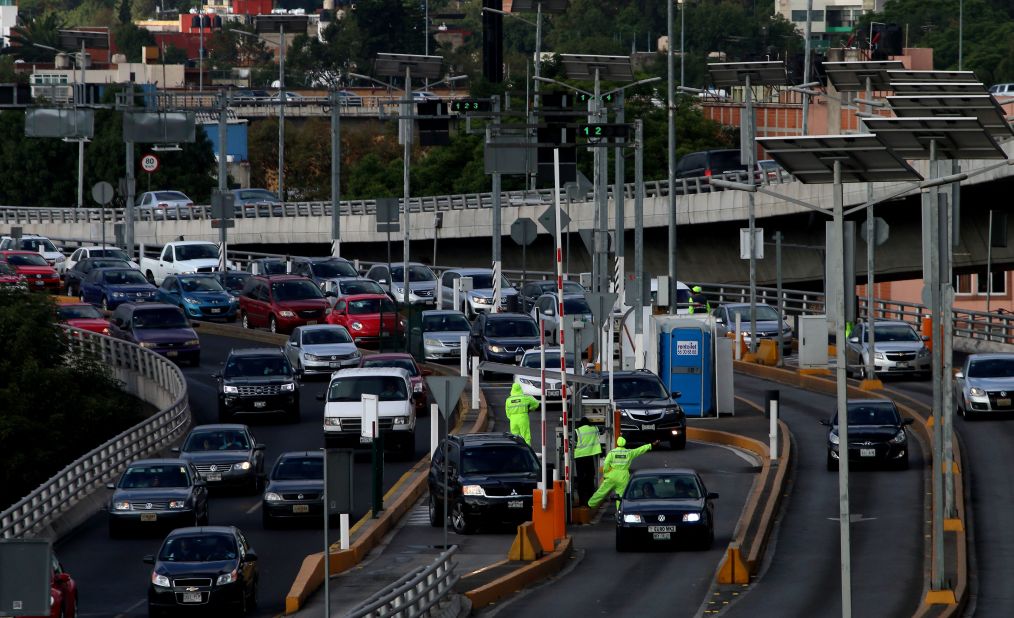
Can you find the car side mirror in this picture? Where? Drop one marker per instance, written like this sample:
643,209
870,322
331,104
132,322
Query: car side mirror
148,559
110,485
959,375
251,555
676,394
854,340
200,483
259,447
824,422
712,495
175,449
907,421
925,338
330,295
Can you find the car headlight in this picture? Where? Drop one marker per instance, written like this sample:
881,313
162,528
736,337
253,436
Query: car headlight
924,352
529,382
177,504
160,580
401,420
272,497
192,301
147,344
691,517
192,342
233,300
327,310
482,300
291,386
60,259
118,294
227,578
632,518
899,437
417,388
331,421
105,331
310,357
433,342
975,391
495,348
473,490
879,355
287,314
230,390
121,506
243,465
357,326
833,437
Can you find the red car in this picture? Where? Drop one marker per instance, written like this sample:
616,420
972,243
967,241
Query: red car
420,392
63,593
9,277
360,315
281,302
83,316
39,275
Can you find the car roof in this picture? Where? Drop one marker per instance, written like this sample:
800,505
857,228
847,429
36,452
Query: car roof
199,530
487,438
508,316
372,371
654,471
159,461
261,351
305,327
280,277
364,296
991,356
891,323
549,350
442,312
301,454
148,306
475,271
180,243
870,402
218,426
390,356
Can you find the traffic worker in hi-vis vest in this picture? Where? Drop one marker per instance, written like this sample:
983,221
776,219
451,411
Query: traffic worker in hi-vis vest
616,470
517,408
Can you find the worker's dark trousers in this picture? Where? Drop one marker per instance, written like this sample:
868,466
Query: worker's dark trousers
586,481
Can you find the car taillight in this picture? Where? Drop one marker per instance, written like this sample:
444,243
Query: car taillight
707,172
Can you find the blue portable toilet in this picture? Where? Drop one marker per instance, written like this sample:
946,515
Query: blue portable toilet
686,364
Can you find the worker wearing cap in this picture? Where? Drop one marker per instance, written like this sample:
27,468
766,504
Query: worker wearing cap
616,470
517,408
586,454
699,301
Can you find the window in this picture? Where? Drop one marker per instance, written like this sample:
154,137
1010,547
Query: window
963,284
999,283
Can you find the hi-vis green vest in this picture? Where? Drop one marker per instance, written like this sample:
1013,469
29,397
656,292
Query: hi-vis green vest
587,441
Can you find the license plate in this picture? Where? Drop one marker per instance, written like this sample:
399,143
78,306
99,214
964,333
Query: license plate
1003,403
650,427
260,404
661,529
661,536
553,393
335,365
215,310
191,597
867,452
311,322
213,476
517,358
148,516
40,283
172,353
300,508
365,440
515,504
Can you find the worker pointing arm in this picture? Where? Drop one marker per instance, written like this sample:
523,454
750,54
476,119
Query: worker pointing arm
616,470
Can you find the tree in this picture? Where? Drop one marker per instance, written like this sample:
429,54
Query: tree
36,30
316,64
56,406
129,39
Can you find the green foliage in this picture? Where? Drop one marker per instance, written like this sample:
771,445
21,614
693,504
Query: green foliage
129,40
37,29
55,407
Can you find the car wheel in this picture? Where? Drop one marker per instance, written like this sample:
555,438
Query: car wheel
622,542
832,463
436,511
272,324
150,277
461,523
245,319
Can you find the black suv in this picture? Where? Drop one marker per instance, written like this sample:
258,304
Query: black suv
491,477
502,337
648,411
258,381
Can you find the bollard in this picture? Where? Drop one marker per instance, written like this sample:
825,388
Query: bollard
475,382
739,338
344,519
771,411
434,428
464,356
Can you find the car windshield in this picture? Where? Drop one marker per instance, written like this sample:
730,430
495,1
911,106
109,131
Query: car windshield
124,277
569,287
484,281
498,459
155,475
171,195
204,548
77,312
367,306
871,414
200,284
576,306
299,468
271,267
725,161
991,368
334,268
360,286
295,290
233,282
352,388
197,252
402,363
664,486
512,328
637,387
33,244
764,314
448,323
893,332
415,273
109,253
258,194
91,264
552,360
254,366
217,440
325,336
163,317
24,259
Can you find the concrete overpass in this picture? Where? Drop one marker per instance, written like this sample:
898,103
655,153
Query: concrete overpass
708,235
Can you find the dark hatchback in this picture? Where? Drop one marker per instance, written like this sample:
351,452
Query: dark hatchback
666,506
225,455
502,337
491,477
876,434
648,411
153,493
212,570
295,489
258,381
158,327
73,277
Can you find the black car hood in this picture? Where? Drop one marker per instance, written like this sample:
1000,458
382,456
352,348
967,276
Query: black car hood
689,505
257,380
196,569
872,433
152,494
208,457
513,342
296,485
528,482
644,404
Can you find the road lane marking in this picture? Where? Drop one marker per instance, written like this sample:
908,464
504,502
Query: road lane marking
131,608
750,458
253,508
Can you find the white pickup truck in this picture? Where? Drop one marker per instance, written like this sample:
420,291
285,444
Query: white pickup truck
180,257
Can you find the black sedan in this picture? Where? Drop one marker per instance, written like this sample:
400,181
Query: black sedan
225,454
73,277
153,493
876,434
295,489
201,569
666,506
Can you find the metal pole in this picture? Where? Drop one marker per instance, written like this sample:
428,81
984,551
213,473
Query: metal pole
536,103
961,33
603,182
683,30
200,55
946,353
871,369
560,314
989,264
128,232
327,546
497,224
671,70
751,164
778,292
82,89
842,395
619,198
807,33
447,458
336,169
639,240
930,212
593,116
223,174
407,235
542,396
281,112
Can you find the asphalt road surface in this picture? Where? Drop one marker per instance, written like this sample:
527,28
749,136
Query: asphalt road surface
113,580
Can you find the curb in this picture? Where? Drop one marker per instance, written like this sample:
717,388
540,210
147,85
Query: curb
540,569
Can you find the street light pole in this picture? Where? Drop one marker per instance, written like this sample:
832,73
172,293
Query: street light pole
806,65
751,164
336,166
81,142
619,196
671,70
497,205
281,112
405,180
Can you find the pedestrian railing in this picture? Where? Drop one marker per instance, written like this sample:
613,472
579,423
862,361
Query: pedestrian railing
30,515
414,593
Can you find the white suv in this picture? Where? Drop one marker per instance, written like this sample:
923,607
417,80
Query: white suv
39,244
343,410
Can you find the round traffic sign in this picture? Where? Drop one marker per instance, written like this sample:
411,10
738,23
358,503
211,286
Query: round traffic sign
102,192
149,163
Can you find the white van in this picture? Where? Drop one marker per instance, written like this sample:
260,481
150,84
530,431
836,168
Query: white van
343,410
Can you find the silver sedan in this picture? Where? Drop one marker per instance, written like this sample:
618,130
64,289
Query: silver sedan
321,348
985,384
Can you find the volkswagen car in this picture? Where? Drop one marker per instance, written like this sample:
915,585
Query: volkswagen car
876,434
33,268
421,282
224,455
479,299
985,384
502,337
768,323
155,493
442,331
668,506
532,359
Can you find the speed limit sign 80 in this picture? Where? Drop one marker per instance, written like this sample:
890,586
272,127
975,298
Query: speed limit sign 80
149,163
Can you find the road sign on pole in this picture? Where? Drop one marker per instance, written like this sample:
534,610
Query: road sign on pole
150,163
548,220
880,231
523,231
446,392
102,192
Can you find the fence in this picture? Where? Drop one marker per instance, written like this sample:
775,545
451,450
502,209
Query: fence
414,593
92,470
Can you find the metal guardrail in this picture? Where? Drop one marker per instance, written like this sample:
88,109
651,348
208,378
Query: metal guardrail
436,203
414,593
93,469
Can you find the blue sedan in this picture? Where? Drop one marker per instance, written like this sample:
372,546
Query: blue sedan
200,296
109,287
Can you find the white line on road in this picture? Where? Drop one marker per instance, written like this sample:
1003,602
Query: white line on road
750,458
253,508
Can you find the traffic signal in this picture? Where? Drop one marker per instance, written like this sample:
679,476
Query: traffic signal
596,132
464,106
433,131
492,42
554,132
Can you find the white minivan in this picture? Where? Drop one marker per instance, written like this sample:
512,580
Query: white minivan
343,410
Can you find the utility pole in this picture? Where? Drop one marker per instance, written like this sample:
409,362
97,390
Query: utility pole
281,112
336,166
639,242
671,70
407,156
223,185
619,197
492,132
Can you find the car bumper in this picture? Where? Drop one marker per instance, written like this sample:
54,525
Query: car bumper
641,533
267,404
293,510
649,432
328,366
48,285
191,353
232,478
553,391
876,453
211,312
514,509
507,358
442,352
992,403
354,439
133,519
919,365
212,598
